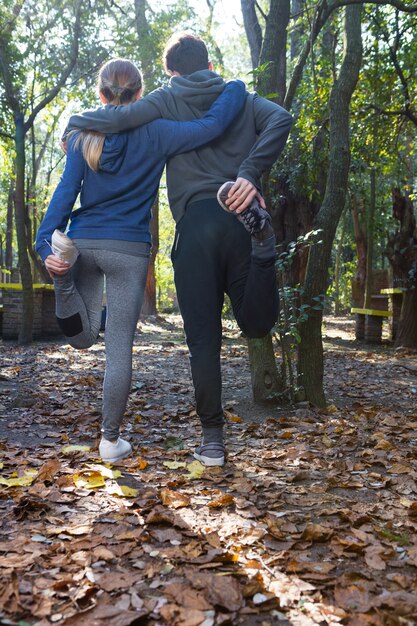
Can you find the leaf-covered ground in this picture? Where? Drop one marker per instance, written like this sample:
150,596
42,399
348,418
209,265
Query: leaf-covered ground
311,521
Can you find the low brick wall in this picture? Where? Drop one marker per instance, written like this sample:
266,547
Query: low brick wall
44,321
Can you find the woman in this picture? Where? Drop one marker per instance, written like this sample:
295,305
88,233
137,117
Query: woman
109,236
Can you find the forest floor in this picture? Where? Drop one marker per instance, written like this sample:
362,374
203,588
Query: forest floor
311,521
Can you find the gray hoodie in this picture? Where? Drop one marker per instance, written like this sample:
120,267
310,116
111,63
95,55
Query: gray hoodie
250,145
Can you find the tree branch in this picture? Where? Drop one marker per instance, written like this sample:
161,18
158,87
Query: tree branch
252,29
393,53
66,72
380,111
401,6
264,15
6,135
322,14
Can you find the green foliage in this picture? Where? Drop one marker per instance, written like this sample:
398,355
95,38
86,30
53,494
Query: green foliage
143,41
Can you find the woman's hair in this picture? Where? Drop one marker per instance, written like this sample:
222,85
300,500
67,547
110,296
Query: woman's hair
118,80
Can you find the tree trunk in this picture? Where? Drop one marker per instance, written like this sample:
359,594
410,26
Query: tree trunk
338,263
9,230
402,254
147,54
266,381
274,51
370,246
25,330
401,251
358,282
310,357
149,302
296,31
252,29
407,327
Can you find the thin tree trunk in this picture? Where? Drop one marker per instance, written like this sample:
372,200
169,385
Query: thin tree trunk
310,357
9,229
252,29
370,246
358,283
25,330
296,32
147,54
338,263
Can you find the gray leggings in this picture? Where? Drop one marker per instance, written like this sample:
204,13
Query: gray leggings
79,297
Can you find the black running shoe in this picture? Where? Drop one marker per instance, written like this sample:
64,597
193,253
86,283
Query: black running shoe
255,219
210,454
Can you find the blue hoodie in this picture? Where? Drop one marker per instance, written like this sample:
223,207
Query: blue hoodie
116,200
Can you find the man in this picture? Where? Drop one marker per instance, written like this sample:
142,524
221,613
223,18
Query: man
224,242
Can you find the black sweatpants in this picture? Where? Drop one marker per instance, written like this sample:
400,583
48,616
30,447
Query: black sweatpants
212,255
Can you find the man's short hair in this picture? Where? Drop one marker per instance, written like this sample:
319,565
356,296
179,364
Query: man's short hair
185,53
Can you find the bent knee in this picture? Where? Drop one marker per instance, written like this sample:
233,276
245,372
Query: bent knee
81,343
73,330
71,325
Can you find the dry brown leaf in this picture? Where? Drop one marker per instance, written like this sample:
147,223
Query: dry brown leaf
187,597
104,615
111,581
174,615
168,534
412,511
103,554
402,602
373,557
399,468
354,599
175,499
226,500
49,470
317,533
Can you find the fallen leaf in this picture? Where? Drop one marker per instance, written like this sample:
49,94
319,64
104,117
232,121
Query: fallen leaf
89,480
174,464
74,448
195,470
19,481
174,498
225,500
122,490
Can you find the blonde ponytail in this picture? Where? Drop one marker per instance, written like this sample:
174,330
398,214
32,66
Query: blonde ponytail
91,144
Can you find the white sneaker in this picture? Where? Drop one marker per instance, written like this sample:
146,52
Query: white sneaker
64,248
112,451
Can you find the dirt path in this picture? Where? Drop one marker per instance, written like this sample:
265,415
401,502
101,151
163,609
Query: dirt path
312,520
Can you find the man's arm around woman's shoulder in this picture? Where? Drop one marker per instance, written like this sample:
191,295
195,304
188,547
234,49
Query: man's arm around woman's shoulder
117,118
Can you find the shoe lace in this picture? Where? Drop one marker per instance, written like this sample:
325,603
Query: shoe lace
252,218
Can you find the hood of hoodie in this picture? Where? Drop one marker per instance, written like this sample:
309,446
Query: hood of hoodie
199,89
114,151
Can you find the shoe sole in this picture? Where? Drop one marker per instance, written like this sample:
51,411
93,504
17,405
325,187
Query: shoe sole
61,254
115,459
220,201
208,461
